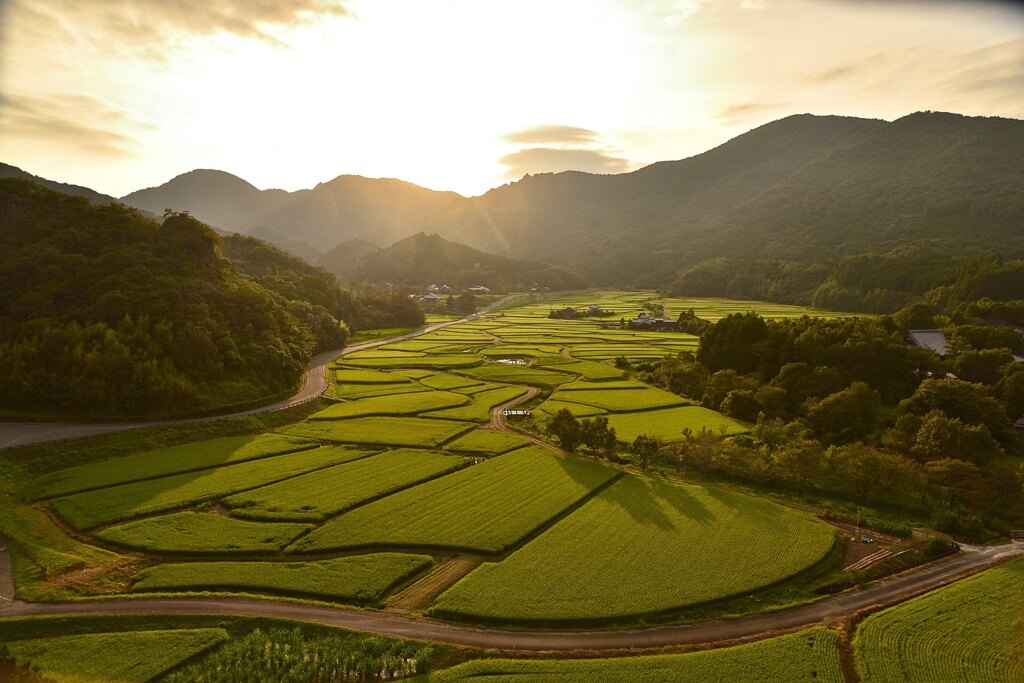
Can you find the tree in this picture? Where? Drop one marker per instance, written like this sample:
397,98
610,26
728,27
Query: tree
940,437
564,427
848,415
595,434
955,482
645,447
735,342
969,402
741,404
981,366
698,451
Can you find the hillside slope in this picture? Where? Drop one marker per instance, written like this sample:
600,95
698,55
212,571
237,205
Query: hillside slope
106,312
424,259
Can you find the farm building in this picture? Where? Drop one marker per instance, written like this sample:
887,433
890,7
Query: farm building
646,322
430,299
479,289
928,339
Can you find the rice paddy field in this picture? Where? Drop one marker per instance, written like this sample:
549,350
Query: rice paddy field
485,508
403,466
642,546
130,657
810,656
358,579
969,631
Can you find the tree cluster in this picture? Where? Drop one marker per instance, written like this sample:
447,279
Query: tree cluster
593,434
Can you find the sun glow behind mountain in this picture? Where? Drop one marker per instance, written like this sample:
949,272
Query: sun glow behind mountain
465,94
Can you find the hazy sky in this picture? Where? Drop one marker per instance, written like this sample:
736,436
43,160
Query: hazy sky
465,94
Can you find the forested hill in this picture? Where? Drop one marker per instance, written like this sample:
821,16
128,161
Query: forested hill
107,312
804,188
306,222
8,171
801,188
423,259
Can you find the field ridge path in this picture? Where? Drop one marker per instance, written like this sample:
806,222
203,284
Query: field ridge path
13,434
433,584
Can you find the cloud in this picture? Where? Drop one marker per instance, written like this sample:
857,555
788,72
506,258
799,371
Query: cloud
150,23
754,4
554,160
746,110
71,121
543,135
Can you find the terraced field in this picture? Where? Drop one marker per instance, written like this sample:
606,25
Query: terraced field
201,533
327,492
382,431
810,656
970,631
639,547
165,461
360,579
668,423
124,501
485,508
487,441
129,657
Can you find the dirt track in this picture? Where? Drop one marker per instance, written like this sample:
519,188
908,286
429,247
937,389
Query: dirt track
829,609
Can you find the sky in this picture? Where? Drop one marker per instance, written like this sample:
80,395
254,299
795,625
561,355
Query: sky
466,95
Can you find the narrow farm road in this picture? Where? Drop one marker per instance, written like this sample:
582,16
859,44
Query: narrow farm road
14,434
368,621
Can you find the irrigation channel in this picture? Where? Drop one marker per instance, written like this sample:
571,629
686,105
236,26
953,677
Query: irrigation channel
13,434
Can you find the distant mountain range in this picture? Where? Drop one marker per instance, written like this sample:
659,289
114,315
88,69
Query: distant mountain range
799,189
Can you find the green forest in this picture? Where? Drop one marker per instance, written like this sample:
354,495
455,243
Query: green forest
110,313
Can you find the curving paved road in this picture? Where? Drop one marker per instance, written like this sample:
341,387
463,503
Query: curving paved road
368,621
14,434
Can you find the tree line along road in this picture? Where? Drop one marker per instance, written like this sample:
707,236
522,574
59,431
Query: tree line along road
13,434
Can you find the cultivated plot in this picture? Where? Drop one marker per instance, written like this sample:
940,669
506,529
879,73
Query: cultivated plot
484,508
810,656
327,492
201,533
116,503
359,579
969,631
640,547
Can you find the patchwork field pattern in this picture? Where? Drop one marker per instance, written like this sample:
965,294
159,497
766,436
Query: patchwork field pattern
643,546
361,579
810,656
124,501
485,508
327,492
165,461
971,630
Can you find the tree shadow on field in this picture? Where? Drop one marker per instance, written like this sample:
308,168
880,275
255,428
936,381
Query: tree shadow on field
645,500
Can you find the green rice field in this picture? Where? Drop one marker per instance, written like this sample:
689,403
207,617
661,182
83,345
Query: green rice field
639,547
201,533
810,656
124,501
325,493
382,431
489,441
129,657
969,631
485,508
361,579
165,461
668,424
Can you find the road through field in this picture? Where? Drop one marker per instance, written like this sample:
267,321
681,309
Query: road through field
369,621
14,434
